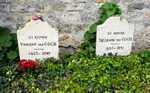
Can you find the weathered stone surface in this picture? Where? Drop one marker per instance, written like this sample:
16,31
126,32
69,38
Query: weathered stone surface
66,40
74,16
138,13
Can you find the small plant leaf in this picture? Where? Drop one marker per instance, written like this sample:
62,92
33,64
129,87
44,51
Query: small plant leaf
12,55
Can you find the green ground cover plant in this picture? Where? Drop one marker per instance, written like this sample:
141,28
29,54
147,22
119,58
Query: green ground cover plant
80,74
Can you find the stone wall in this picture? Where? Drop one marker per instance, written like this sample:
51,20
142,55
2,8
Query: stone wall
138,13
73,17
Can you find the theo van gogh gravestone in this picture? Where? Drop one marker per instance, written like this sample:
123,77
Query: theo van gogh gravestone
37,40
115,37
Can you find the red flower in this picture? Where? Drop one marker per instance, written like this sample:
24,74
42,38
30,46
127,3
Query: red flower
27,64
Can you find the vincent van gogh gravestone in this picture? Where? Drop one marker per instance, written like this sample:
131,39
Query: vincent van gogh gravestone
114,37
37,40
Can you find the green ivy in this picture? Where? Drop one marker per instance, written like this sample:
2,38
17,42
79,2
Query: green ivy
80,74
8,46
8,56
107,10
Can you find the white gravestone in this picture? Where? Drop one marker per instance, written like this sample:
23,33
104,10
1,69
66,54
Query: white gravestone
114,37
37,40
